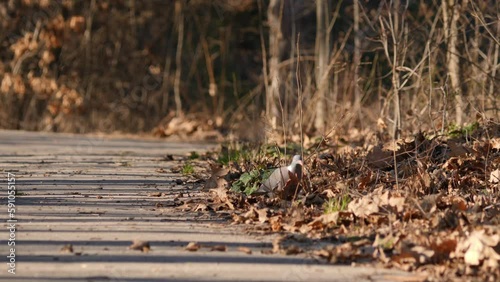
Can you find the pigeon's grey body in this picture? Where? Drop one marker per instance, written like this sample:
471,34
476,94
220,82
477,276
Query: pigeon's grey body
284,180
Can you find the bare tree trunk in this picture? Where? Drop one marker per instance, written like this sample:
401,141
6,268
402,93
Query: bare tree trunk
178,57
396,28
212,89
275,50
226,35
357,59
291,85
395,72
133,24
478,77
494,64
165,83
335,87
452,58
87,39
322,59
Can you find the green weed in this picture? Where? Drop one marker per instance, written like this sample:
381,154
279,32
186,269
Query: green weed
238,152
336,204
194,155
248,182
455,131
187,168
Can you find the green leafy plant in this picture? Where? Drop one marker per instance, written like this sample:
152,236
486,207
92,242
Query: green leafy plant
194,155
249,182
456,131
236,153
187,168
339,203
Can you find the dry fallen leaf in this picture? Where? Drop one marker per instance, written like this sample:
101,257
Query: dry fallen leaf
245,250
363,207
329,193
422,254
397,202
250,214
216,179
220,196
375,201
142,246
324,220
275,222
219,248
201,207
293,250
479,247
443,248
459,203
495,143
67,249
381,125
262,215
192,247
495,176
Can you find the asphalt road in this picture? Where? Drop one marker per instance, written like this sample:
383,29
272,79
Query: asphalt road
94,193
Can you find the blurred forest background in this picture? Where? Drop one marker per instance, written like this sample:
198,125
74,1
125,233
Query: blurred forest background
248,67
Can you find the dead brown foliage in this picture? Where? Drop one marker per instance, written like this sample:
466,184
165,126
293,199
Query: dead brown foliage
429,205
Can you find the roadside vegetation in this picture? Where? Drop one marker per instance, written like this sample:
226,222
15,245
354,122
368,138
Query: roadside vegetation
428,204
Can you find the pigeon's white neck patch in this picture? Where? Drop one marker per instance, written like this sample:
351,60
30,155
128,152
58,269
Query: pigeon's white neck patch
293,166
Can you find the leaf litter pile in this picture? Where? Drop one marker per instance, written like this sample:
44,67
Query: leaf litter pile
439,218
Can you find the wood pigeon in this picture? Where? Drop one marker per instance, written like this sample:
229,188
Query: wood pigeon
284,181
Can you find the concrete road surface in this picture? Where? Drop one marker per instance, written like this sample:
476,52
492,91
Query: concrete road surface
82,200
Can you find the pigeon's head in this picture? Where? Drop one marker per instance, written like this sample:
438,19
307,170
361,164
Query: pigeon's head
296,165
